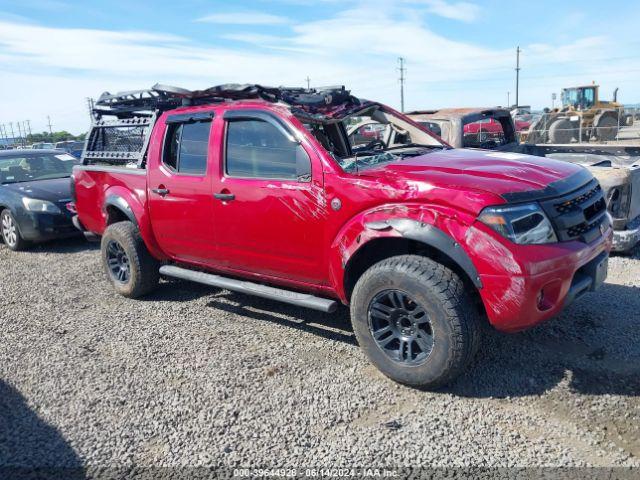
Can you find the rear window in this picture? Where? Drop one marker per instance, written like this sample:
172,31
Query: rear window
186,147
484,133
27,167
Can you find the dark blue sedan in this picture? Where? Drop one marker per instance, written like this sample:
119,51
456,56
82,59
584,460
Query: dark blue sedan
34,191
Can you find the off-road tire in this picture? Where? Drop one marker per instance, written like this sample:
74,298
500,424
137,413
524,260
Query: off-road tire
16,242
144,272
455,323
563,131
607,128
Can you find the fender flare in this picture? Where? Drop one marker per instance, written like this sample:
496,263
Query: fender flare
121,204
435,238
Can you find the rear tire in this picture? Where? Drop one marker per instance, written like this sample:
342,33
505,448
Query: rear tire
415,321
11,232
563,131
129,266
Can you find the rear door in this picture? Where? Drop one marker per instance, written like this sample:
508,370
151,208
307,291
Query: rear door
269,205
179,182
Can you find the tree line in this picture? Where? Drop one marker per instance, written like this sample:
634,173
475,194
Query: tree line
53,137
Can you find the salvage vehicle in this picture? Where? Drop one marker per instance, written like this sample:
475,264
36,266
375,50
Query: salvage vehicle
582,117
72,147
258,190
617,168
34,191
42,146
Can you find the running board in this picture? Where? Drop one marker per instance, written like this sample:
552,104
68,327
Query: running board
250,288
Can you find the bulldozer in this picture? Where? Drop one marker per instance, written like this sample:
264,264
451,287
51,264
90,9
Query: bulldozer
583,117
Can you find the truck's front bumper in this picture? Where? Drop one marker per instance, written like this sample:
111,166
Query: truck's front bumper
550,278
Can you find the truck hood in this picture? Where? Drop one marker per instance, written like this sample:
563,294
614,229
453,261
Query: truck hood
52,190
509,175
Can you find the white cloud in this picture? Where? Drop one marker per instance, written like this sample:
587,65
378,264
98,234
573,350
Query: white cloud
244,18
50,70
463,11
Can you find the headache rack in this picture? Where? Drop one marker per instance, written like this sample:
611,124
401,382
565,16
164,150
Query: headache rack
122,122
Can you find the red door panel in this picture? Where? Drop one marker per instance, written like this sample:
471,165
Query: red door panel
271,226
180,186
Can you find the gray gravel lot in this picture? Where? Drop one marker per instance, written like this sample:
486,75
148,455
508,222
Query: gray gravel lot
197,376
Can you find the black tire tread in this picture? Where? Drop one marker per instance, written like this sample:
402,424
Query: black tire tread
147,268
452,293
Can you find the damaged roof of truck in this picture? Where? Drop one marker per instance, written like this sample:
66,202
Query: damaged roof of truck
326,104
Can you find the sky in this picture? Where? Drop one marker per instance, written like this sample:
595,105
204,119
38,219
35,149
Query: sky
56,53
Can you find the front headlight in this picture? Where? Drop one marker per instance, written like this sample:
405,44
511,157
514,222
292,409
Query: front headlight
35,205
523,224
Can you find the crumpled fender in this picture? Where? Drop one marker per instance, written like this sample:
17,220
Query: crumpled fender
133,206
442,228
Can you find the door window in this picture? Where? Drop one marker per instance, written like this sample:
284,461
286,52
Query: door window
186,147
258,149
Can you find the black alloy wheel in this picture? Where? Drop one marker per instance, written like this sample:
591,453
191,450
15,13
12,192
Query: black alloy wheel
118,262
401,327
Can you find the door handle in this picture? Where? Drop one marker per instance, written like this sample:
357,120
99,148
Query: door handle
225,197
161,191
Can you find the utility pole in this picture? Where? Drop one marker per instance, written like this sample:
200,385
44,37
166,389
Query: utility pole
28,122
13,136
308,82
20,134
518,76
402,78
49,123
508,100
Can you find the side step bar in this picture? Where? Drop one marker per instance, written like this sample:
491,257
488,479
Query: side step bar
250,288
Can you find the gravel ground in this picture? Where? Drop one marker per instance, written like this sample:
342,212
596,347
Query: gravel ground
197,376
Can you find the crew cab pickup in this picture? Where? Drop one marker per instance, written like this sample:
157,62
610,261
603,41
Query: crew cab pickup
259,190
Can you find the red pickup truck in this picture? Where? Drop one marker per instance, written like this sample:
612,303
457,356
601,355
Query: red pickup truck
260,190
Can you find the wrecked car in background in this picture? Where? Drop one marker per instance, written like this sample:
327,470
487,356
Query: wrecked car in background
616,167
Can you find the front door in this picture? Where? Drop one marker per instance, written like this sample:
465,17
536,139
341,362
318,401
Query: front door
180,201
269,203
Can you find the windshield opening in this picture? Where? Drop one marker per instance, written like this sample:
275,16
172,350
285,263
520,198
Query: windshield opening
372,137
25,167
578,98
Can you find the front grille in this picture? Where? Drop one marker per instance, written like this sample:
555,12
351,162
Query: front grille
574,203
579,214
582,228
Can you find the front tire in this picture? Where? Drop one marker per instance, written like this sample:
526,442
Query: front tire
415,321
11,233
129,266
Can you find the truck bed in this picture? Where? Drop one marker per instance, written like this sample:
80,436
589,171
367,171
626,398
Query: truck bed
97,185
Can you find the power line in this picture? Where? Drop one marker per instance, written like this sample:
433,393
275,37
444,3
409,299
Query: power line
402,78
